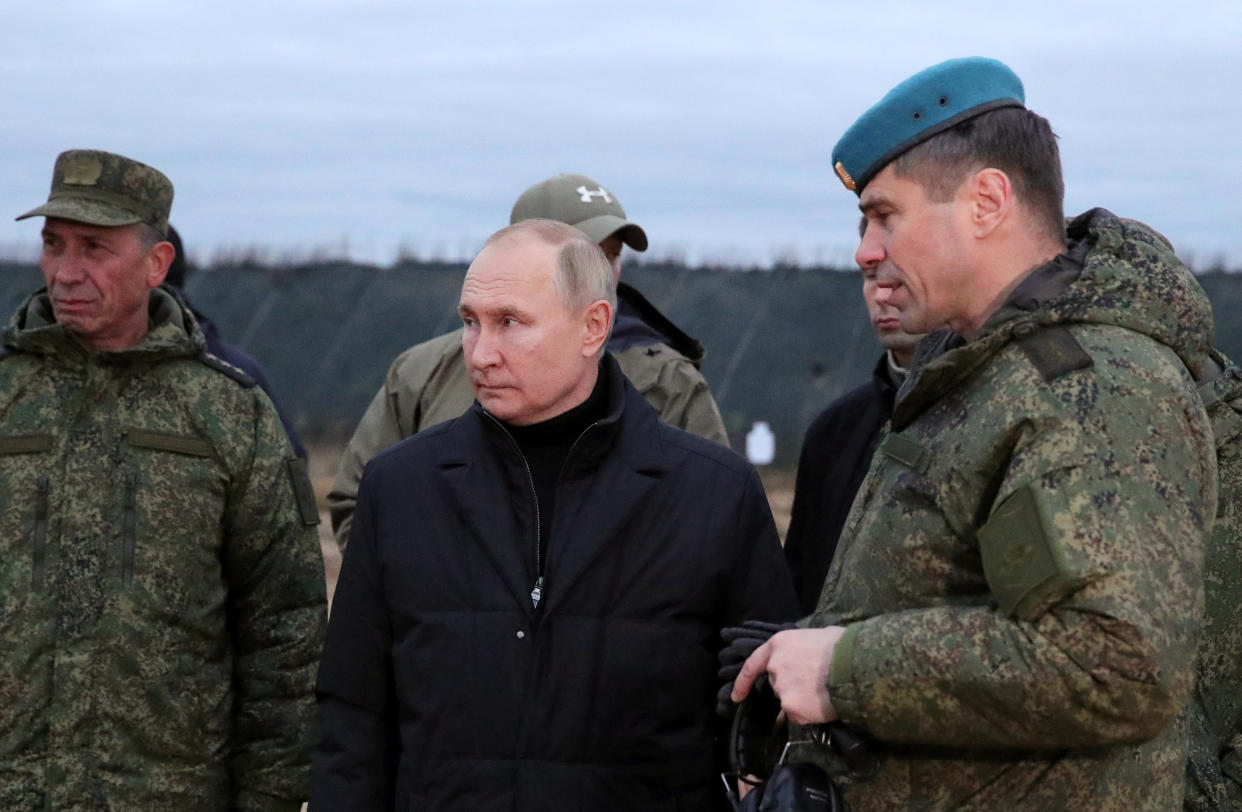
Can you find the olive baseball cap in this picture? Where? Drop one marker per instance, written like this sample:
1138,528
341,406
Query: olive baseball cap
105,189
583,204
929,102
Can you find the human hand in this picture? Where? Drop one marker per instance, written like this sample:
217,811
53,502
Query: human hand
740,642
797,663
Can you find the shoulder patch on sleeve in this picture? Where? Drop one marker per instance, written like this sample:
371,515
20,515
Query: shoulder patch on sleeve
1053,350
1023,562
236,373
303,494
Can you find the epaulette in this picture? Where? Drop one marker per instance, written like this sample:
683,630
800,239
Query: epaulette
236,373
1053,350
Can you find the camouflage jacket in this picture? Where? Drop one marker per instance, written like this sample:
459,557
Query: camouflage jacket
1020,576
429,383
1214,770
162,601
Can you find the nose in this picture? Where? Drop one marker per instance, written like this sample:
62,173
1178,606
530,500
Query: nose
870,251
479,346
66,269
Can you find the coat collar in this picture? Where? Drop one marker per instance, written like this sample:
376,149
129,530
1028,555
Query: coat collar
608,475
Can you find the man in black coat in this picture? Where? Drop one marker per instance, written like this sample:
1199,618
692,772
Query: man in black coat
527,613
837,451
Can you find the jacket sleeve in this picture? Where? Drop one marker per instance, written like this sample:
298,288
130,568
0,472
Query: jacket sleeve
1214,769
763,589
425,372
1092,551
378,429
277,613
356,755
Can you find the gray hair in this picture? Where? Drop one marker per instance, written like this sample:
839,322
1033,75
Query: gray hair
583,273
148,235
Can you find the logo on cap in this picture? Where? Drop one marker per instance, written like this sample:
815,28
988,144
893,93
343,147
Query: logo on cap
82,170
844,176
587,194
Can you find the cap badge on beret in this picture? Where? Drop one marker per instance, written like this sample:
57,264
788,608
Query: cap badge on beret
929,102
844,176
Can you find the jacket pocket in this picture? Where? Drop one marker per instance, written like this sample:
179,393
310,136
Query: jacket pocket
173,488
19,475
165,441
38,544
129,522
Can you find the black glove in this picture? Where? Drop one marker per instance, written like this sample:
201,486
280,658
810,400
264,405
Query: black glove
740,643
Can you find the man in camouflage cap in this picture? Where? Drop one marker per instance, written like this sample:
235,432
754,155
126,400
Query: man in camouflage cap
430,382
1012,613
161,585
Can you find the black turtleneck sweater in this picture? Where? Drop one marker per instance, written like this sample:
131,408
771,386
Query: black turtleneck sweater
546,446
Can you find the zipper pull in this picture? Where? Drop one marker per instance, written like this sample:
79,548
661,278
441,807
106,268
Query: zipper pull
537,592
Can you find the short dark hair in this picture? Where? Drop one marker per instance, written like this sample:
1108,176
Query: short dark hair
1012,139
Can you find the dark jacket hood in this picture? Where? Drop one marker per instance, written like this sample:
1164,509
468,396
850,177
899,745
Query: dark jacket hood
1130,278
173,331
639,323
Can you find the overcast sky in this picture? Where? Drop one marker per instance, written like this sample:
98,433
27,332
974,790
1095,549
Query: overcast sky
366,126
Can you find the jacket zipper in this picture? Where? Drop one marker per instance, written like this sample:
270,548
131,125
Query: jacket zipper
39,546
128,522
536,592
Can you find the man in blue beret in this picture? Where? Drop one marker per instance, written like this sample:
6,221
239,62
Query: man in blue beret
1011,616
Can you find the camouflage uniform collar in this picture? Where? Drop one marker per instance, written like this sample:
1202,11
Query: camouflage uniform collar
173,331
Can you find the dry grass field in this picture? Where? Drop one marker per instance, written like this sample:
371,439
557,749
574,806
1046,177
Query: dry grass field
323,460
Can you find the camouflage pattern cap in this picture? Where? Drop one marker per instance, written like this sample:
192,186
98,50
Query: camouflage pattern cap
104,189
929,102
583,204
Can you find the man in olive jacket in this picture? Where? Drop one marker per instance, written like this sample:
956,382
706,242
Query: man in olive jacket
527,613
428,383
1012,614
162,601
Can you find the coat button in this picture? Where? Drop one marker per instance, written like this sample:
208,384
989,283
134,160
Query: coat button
520,634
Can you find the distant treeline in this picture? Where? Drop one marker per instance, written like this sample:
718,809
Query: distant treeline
781,343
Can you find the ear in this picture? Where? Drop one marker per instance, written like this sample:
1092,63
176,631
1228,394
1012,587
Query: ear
158,260
991,201
596,323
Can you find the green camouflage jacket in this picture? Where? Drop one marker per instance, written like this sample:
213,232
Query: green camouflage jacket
429,383
1214,771
1020,575
162,602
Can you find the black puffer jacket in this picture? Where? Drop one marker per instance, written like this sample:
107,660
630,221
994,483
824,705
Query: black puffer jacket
442,688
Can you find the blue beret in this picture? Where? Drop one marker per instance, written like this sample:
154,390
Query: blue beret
929,102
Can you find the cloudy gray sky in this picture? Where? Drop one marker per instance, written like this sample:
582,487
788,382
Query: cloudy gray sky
366,126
